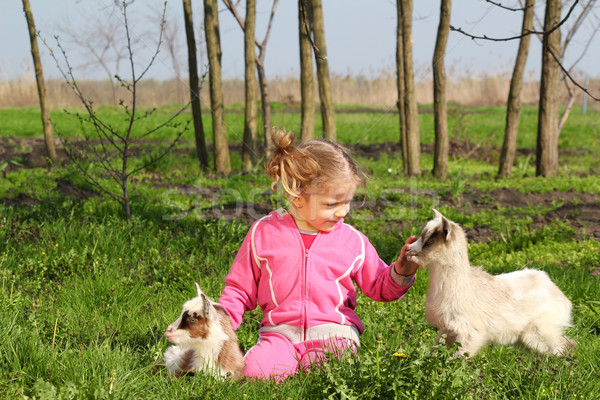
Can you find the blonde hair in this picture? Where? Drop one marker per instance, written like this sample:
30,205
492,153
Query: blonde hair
308,166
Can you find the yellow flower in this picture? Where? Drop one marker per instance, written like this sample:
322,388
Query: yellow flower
400,355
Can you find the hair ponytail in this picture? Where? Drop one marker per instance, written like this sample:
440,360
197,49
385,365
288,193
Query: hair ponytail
288,164
308,165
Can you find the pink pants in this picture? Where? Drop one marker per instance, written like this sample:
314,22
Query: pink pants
274,356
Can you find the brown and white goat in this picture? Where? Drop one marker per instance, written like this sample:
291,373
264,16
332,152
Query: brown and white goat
474,308
204,340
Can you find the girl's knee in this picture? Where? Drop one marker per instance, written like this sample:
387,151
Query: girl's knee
273,356
317,351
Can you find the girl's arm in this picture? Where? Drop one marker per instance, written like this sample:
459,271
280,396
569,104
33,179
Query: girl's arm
380,281
241,284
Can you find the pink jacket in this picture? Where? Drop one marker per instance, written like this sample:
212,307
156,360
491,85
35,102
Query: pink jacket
307,294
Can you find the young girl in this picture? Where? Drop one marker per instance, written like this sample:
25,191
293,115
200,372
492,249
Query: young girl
300,265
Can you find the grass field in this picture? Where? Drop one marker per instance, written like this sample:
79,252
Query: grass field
85,296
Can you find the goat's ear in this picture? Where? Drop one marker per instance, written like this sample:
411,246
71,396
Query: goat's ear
198,290
446,227
446,224
206,305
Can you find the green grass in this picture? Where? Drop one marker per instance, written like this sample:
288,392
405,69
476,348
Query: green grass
85,296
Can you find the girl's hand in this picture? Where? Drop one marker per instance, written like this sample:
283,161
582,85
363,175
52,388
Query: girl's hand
403,266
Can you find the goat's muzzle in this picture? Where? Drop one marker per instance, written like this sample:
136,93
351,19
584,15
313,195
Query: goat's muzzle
169,332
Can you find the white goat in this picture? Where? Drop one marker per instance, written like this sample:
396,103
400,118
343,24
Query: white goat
204,340
474,308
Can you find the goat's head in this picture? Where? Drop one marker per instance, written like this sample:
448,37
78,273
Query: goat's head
194,323
434,240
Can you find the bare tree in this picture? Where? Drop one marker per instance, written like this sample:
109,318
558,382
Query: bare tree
101,40
108,155
401,88
587,8
171,42
540,34
260,66
41,84
213,45
307,85
327,108
249,150
411,112
194,81
440,156
548,125
262,79
547,140
571,31
513,106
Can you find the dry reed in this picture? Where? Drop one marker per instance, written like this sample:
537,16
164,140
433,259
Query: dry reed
379,91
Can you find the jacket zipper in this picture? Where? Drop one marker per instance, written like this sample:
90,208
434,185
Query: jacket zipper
305,296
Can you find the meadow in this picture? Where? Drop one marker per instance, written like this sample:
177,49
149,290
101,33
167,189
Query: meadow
85,296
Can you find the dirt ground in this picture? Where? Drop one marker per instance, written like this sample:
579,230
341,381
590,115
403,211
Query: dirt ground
580,210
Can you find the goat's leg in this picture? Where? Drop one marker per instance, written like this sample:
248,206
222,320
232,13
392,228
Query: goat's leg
540,339
179,361
556,343
447,337
470,344
567,346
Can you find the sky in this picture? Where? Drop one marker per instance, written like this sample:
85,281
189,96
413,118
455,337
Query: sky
360,36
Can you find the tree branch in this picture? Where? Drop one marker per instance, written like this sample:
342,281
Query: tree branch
505,7
309,30
270,25
261,45
587,8
233,8
524,33
568,75
531,31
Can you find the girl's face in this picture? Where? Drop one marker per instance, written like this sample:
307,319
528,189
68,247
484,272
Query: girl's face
322,210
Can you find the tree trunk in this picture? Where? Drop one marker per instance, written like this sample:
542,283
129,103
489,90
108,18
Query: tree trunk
547,139
513,107
262,80
260,66
410,101
250,122
201,152
401,89
326,100
265,102
213,47
41,85
307,85
440,117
